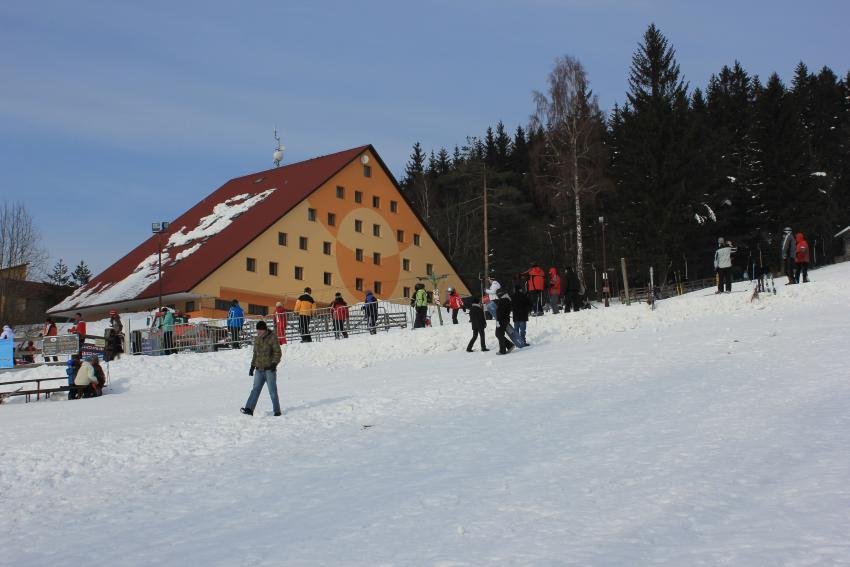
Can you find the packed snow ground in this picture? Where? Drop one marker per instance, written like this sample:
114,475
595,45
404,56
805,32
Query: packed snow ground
710,431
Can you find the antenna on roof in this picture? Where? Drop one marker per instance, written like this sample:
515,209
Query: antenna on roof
277,155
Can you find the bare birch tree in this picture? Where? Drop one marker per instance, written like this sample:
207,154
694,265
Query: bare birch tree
569,157
20,250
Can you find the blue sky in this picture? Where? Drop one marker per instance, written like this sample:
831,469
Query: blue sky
115,114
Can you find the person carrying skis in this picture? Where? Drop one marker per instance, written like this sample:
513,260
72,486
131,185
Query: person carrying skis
280,323
370,309
455,304
788,254
723,266
554,289
478,323
801,259
420,302
305,306
339,314
266,357
235,320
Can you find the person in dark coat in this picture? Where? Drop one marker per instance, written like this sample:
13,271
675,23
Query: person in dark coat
370,309
503,319
339,315
572,289
477,321
235,320
520,307
788,252
305,307
267,356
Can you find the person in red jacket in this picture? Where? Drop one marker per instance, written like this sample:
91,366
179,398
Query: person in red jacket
280,323
801,259
339,313
79,329
49,330
554,290
455,304
536,282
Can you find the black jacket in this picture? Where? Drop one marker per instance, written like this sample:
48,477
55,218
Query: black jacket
521,306
503,310
476,316
572,282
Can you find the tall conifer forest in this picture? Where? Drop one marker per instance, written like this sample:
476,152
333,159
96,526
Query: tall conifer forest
667,171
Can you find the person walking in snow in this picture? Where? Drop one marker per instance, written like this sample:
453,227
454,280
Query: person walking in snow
478,323
520,308
305,306
572,291
370,309
503,319
235,320
266,357
801,259
420,303
280,323
554,282
723,265
454,303
788,252
339,315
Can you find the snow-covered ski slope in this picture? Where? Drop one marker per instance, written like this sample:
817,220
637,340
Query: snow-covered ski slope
711,431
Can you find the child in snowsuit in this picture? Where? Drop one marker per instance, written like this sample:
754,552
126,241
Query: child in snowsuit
477,321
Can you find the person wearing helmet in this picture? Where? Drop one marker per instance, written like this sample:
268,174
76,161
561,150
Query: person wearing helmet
454,303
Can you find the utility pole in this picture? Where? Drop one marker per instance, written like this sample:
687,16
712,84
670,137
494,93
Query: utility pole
606,291
158,228
486,240
434,279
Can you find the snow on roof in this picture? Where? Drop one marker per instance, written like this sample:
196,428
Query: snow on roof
221,217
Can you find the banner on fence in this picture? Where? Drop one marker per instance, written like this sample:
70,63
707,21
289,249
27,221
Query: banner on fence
60,345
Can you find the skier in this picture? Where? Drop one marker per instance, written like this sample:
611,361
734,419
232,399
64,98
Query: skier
723,265
554,289
478,323
305,307
455,304
520,306
370,309
339,314
420,302
235,319
572,290
503,319
788,252
280,323
801,259
264,363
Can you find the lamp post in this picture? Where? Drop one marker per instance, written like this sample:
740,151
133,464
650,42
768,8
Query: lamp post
605,289
158,228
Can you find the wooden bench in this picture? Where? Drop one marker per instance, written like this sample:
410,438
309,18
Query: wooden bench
39,390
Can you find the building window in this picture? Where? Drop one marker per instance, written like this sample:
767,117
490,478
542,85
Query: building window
358,196
393,206
376,258
331,219
358,254
358,225
377,288
326,248
367,171
272,268
327,278
405,264
405,292
429,269
257,309
222,305
190,306
251,265
358,284
376,202
311,215
399,235
340,192
302,242
299,273
281,238
376,230
416,240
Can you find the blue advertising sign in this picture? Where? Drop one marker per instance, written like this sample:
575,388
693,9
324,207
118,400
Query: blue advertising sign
7,353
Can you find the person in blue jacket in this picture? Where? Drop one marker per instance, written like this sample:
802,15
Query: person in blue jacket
235,318
371,310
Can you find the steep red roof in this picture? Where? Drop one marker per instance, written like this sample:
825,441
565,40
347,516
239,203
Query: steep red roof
286,186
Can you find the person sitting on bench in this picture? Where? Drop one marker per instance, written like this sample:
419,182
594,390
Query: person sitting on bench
86,380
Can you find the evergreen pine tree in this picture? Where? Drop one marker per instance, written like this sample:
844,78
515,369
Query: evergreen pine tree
415,167
81,274
502,143
491,154
59,275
